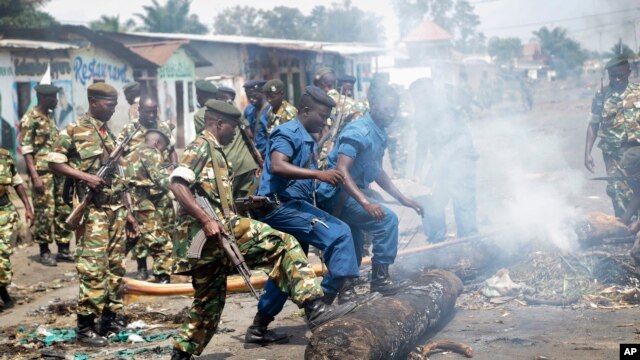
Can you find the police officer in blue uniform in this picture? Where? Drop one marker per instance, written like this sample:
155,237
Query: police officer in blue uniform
288,179
257,103
358,154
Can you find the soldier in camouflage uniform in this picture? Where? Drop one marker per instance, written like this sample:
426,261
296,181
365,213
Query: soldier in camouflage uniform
259,243
9,220
78,153
37,133
279,112
205,90
149,182
614,120
164,204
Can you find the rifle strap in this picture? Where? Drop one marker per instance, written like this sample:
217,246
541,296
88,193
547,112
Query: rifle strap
218,173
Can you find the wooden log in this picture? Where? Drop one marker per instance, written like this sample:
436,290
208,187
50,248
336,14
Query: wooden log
597,227
389,327
236,284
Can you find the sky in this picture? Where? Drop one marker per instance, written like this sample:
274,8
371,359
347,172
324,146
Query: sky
597,24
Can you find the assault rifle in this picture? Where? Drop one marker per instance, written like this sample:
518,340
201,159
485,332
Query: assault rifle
228,245
249,203
255,154
106,172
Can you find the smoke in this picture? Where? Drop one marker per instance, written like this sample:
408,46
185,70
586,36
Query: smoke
530,184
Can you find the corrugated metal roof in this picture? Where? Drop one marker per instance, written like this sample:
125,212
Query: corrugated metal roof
159,52
301,45
427,31
34,44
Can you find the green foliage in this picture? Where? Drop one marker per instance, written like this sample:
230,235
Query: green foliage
341,22
620,48
172,17
566,54
458,18
504,49
25,14
112,24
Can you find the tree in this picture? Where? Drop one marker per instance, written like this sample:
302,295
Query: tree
112,24
620,48
504,49
458,18
173,17
341,22
25,14
566,54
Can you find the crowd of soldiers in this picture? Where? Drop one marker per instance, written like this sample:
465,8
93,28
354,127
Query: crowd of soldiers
303,174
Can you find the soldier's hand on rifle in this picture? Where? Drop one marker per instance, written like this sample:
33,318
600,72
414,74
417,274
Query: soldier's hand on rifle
133,228
95,182
213,230
374,210
333,177
38,185
588,162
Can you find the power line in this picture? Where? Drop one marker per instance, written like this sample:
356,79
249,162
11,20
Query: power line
561,20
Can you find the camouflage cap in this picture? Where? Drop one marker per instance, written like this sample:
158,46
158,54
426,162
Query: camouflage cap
346,79
319,96
254,84
322,72
617,60
165,136
223,108
132,86
102,90
273,86
206,86
46,89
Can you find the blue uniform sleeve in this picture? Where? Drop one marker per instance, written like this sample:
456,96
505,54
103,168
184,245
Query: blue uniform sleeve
351,142
262,137
282,143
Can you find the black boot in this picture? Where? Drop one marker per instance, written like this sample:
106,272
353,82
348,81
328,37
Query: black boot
110,323
162,279
348,293
258,333
6,299
180,355
318,313
87,334
46,258
381,281
328,298
64,255
143,273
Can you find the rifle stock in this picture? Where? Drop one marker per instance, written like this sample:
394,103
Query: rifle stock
255,154
75,218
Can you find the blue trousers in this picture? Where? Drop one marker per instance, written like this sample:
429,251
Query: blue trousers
384,232
299,218
456,183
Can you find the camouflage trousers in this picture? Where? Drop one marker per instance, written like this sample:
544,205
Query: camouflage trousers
100,260
618,190
9,221
260,245
50,211
154,240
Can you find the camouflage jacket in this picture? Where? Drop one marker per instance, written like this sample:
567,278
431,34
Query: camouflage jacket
8,175
134,113
286,112
37,134
138,139
85,145
196,168
351,109
146,177
620,119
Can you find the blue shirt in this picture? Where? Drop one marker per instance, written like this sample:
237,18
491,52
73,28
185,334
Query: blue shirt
250,114
364,142
261,135
292,140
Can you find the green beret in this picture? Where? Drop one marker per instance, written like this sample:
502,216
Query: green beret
223,108
273,86
319,96
206,86
132,86
617,61
45,89
323,71
166,137
102,90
